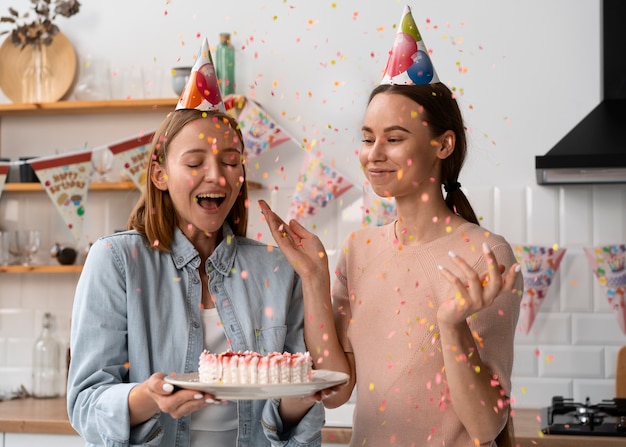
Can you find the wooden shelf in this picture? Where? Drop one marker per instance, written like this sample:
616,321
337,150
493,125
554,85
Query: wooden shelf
96,186
36,187
162,105
58,268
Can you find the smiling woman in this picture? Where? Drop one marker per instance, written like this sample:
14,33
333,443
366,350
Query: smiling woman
182,279
198,176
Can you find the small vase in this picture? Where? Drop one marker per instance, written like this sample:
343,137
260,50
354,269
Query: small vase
38,76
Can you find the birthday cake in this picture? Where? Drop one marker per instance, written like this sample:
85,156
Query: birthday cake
253,368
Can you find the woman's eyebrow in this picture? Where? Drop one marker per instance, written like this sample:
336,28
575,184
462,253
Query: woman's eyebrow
386,129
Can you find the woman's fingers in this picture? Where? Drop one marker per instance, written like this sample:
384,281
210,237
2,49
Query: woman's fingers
482,289
177,402
511,277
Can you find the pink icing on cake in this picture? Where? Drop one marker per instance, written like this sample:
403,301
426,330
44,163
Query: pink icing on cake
253,368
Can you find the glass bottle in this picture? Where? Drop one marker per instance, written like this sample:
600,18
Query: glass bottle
46,361
225,65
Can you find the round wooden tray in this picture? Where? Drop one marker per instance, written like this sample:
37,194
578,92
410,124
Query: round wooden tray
14,61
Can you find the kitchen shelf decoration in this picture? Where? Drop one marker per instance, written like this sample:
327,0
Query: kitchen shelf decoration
66,180
607,262
43,61
539,265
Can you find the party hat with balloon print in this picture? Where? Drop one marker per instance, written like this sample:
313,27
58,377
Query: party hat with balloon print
409,62
202,92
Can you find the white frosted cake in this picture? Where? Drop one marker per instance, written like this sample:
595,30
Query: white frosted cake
253,368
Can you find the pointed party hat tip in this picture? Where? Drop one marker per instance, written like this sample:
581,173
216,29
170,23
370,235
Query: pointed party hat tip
409,62
202,92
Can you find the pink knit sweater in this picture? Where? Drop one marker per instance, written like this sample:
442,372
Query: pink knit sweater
386,297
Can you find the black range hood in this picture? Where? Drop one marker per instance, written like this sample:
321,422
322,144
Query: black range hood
594,151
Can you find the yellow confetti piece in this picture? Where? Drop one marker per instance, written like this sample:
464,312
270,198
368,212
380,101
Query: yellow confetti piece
371,387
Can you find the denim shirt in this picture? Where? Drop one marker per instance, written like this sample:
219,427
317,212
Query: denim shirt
137,312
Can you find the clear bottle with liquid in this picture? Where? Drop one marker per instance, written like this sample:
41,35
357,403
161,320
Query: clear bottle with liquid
225,65
46,361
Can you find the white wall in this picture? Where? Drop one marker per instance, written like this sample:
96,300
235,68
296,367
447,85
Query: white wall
526,73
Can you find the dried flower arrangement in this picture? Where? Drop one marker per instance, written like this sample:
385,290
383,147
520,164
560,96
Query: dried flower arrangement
41,29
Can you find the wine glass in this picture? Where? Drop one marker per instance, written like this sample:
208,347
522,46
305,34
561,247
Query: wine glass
102,161
23,244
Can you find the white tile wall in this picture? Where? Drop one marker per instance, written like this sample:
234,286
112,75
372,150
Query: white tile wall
572,346
570,350
24,298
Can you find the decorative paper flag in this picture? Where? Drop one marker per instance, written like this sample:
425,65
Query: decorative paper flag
409,62
260,132
201,91
607,263
377,210
66,180
4,173
317,185
539,265
133,154
234,104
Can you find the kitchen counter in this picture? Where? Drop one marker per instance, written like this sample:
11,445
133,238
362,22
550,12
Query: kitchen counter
49,416
35,416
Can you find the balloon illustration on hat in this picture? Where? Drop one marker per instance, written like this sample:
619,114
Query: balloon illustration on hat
202,92
409,62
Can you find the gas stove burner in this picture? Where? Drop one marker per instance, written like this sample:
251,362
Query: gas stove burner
589,416
566,417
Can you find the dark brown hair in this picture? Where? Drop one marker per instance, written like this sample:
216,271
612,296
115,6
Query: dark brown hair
154,214
442,113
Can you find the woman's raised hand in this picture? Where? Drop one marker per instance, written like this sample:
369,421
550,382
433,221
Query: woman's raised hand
479,291
302,248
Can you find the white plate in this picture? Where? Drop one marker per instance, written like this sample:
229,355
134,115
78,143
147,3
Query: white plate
320,380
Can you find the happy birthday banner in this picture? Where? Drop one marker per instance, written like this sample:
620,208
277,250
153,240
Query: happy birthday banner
66,180
539,265
133,154
607,263
4,173
318,184
260,131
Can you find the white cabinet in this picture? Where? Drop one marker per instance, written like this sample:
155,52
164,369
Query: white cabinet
43,440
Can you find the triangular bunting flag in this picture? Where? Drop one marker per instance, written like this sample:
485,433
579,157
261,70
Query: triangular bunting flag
234,104
66,180
539,265
260,132
133,155
317,185
607,262
377,211
4,174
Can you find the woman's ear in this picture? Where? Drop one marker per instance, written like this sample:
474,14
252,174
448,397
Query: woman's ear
448,141
158,176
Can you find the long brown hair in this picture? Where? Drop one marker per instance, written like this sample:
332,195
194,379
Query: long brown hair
154,214
442,113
